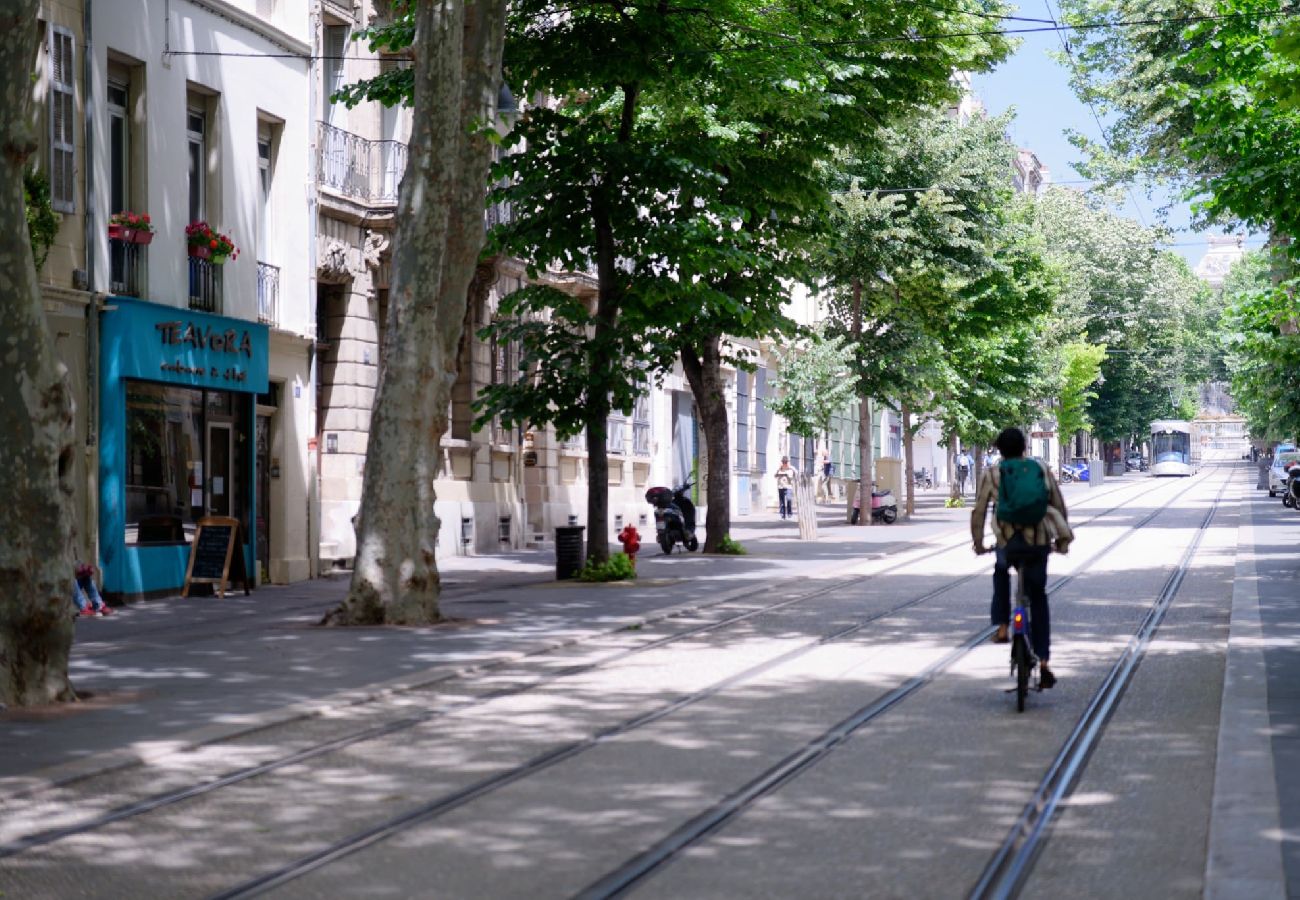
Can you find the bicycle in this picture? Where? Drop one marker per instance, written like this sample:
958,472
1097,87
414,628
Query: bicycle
1023,660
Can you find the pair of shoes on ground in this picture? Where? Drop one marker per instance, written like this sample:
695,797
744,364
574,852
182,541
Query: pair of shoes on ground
1045,677
102,611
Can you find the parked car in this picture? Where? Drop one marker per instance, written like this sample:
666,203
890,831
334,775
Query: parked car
1277,472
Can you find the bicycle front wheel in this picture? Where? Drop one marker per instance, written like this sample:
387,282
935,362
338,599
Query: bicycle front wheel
1021,661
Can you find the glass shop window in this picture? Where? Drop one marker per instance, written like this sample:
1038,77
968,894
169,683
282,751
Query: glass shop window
187,457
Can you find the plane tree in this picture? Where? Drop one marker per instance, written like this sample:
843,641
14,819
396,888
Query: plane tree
36,549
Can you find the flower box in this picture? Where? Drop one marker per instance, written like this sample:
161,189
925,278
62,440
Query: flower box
200,252
122,233
142,236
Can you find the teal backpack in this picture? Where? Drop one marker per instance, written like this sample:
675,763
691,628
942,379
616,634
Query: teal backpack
1022,492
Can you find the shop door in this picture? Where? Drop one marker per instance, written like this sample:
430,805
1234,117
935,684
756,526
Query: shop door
264,495
219,458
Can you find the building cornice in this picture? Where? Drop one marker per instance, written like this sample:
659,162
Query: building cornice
256,25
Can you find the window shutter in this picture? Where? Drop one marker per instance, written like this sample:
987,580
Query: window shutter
763,417
62,121
742,420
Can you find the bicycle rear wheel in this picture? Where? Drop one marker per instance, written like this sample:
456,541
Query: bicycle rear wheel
1020,660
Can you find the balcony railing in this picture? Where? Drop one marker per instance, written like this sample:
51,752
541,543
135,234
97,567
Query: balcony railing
205,285
127,264
361,169
268,293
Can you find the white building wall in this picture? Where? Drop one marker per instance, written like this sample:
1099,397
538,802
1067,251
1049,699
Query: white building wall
255,69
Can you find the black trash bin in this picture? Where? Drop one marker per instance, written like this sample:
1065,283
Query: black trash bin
569,555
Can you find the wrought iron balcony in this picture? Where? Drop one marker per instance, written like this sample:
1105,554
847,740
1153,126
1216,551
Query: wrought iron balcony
128,263
360,169
205,285
268,293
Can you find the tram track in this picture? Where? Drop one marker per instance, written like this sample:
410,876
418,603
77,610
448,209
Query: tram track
169,798
625,878
1011,864
716,816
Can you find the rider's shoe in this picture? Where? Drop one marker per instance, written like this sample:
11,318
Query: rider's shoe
1001,636
1045,677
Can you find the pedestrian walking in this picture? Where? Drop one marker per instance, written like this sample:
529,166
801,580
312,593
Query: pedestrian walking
964,465
784,486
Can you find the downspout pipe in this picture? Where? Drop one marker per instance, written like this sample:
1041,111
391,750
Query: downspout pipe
91,234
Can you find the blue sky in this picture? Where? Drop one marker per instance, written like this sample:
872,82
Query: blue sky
1039,90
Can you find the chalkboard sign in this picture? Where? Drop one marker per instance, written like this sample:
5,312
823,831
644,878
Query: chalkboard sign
216,556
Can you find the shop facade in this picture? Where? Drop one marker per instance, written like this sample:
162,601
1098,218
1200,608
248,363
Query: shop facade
179,392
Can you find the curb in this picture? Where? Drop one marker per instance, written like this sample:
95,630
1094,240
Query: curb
1244,858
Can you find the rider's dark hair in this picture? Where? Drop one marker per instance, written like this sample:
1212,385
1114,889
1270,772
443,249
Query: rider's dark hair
1011,443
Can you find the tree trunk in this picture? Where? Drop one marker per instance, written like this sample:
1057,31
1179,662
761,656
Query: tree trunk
36,553
704,372
864,454
909,476
438,240
864,419
954,486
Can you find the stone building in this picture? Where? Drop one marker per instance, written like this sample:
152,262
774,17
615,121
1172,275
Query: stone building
189,364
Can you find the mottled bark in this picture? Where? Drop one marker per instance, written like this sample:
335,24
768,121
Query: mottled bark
36,551
909,475
704,372
954,486
438,240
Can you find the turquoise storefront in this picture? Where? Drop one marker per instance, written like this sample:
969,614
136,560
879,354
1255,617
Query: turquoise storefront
178,393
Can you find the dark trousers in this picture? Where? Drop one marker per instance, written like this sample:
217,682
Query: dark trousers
1032,562
783,499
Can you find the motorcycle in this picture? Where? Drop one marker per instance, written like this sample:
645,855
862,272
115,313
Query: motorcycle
1291,496
884,508
1074,472
674,517
922,479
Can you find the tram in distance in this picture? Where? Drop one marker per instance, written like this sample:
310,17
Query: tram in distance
1175,447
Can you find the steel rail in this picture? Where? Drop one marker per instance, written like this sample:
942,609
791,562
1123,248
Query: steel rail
620,881
169,798
449,802
1007,870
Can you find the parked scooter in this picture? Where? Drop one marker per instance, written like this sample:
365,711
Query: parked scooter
1291,496
674,517
884,508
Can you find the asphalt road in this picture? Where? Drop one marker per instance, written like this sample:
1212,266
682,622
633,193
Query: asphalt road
540,778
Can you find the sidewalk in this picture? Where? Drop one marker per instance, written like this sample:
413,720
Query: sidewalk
1255,837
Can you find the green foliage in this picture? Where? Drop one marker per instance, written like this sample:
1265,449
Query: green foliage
1122,291
1244,147
730,547
954,503
42,221
1263,361
1127,72
395,85
952,279
1080,366
813,383
617,568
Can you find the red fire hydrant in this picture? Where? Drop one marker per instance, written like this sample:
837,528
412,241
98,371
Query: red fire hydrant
631,541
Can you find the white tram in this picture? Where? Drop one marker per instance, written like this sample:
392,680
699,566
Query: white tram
1175,447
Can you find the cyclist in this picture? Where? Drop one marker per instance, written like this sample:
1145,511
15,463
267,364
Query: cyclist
1032,516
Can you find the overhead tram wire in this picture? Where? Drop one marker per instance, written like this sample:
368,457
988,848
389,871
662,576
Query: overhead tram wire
904,38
